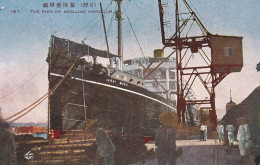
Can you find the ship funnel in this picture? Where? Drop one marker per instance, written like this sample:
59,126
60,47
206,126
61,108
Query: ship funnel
158,53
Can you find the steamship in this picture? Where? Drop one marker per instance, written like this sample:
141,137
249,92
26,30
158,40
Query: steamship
113,99
105,96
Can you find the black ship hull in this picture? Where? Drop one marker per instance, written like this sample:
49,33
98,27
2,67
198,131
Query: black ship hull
114,107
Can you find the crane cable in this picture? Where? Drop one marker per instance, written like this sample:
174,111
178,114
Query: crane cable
37,102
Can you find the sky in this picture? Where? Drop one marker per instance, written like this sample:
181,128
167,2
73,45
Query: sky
26,27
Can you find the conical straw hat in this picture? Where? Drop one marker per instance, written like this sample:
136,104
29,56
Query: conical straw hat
242,118
239,120
168,119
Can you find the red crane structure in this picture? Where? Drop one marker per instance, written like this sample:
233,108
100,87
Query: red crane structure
218,56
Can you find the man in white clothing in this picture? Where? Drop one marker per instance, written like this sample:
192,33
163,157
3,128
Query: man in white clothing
230,129
202,129
243,137
205,133
220,130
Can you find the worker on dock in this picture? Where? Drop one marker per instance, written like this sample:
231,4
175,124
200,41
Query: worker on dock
243,137
231,137
205,137
105,148
165,139
202,133
7,146
220,131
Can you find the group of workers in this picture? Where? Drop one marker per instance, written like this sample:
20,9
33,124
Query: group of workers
243,137
165,141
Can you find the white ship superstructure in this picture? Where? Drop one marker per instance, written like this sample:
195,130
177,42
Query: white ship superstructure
165,75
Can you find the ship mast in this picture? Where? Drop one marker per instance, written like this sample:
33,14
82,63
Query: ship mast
119,18
105,31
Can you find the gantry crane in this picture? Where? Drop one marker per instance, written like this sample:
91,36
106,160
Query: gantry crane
219,56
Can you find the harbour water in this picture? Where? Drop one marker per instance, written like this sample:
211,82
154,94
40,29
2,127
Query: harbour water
42,135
